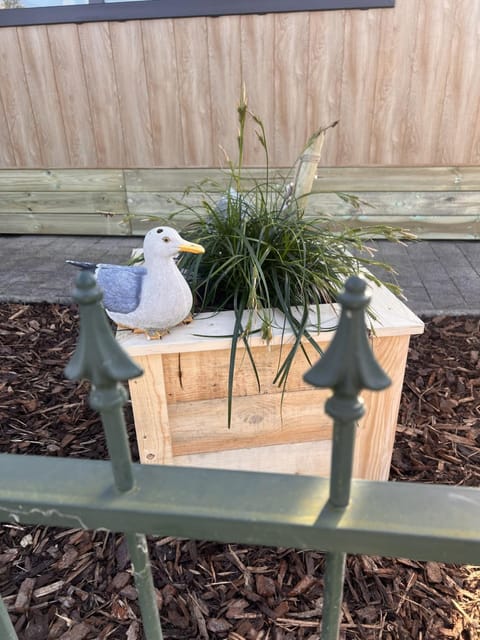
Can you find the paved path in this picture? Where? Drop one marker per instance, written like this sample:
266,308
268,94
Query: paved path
438,277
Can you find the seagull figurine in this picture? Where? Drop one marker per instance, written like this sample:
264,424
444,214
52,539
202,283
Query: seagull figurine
153,298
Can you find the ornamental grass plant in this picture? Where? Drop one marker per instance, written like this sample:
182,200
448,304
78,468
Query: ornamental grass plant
265,252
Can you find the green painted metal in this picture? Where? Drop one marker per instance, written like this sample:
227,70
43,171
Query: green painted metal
333,581
348,366
7,631
100,359
142,573
397,519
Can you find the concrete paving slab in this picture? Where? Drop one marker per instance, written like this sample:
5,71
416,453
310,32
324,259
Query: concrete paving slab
438,277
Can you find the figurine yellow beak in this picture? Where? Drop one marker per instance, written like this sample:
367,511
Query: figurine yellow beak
191,247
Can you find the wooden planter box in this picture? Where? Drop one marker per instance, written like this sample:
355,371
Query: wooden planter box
180,403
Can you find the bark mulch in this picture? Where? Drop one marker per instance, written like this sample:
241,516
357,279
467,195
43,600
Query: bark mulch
77,585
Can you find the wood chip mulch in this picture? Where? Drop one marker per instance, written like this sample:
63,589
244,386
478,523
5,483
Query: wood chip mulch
77,585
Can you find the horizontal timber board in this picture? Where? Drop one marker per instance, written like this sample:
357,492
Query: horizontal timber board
71,224
62,180
431,202
397,179
210,180
328,178
202,426
304,458
64,202
424,228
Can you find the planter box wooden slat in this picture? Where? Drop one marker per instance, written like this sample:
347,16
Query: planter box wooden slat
180,404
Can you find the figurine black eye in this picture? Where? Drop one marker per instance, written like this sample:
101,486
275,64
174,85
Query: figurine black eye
159,230
166,239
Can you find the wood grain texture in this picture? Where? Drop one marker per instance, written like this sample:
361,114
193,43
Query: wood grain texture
394,68
66,202
131,85
460,116
194,99
61,180
40,75
308,458
291,85
97,56
326,60
402,81
432,202
73,224
7,157
18,135
361,179
151,412
257,36
162,85
376,431
73,97
225,82
362,34
428,86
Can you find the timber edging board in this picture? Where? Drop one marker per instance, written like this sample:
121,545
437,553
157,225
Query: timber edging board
432,202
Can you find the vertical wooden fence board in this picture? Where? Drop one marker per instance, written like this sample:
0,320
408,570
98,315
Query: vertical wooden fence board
428,82
393,77
291,86
459,122
46,107
362,33
194,97
70,76
224,67
103,96
18,137
257,53
129,64
6,148
162,85
326,51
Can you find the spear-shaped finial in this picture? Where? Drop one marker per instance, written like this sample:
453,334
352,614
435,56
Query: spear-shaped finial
100,359
348,365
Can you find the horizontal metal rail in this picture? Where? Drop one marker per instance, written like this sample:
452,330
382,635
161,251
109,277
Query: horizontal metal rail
383,518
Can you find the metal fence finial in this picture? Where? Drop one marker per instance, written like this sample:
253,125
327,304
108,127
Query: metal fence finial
348,365
98,357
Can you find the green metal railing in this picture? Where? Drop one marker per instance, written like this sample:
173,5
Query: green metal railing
338,516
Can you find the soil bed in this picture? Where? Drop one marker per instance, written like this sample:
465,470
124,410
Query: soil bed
77,585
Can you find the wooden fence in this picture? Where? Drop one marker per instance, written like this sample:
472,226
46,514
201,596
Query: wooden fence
433,202
163,93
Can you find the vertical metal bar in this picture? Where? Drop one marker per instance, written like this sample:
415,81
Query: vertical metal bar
343,445
113,422
333,595
7,631
142,571
99,358
347,367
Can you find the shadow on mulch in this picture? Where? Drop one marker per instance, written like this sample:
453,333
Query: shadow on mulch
76,585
